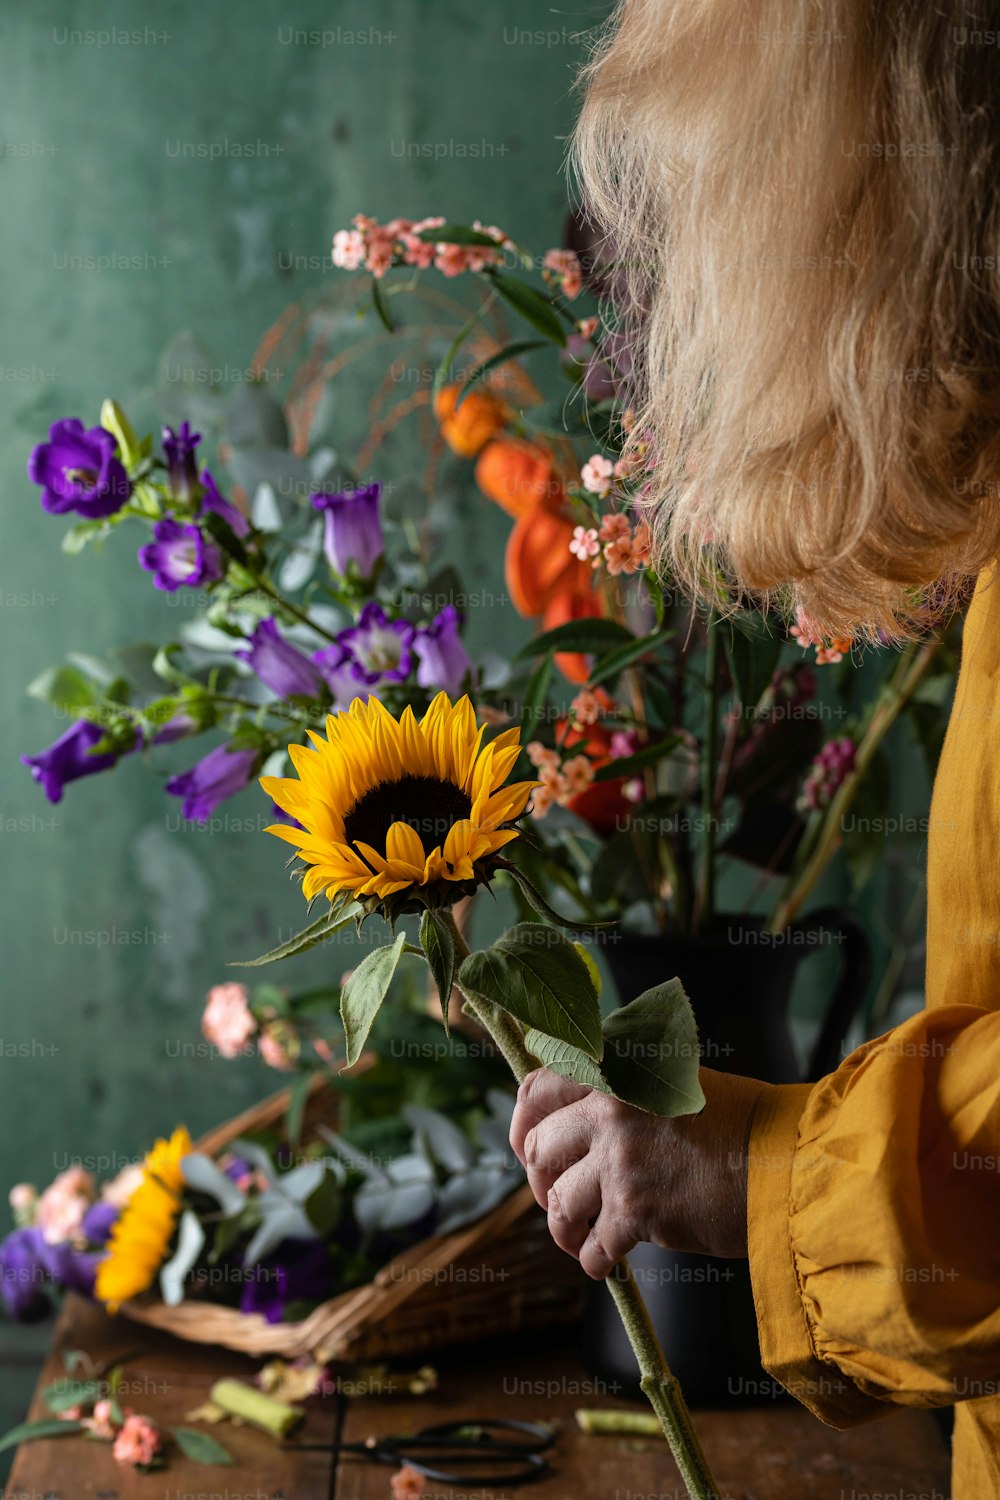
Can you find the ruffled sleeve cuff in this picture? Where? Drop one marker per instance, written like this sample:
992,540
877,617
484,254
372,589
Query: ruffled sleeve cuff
786,1348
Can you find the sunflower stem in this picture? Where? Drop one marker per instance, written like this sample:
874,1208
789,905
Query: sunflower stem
659,1384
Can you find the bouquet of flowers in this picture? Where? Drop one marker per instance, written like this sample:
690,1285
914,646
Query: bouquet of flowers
272,1230
415,796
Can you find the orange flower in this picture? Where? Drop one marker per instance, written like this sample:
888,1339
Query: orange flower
579,603
538,564
479,418
520,477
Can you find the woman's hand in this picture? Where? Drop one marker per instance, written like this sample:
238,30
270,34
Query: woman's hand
609,1175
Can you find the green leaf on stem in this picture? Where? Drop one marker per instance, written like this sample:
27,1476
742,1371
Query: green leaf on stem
439,950
510,351
317,932
535,698
631,765
381,305
535,974
364,992
590,636
65,688
62,1394
531,304
651,1055
535,898
298,1094
48,1427
752,651
651,1052
200,1447
569,1062
455,234
632,651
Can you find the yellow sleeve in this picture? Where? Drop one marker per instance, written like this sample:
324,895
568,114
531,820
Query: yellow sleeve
874,1222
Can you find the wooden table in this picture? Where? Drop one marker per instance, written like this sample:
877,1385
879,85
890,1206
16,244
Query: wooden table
773,1452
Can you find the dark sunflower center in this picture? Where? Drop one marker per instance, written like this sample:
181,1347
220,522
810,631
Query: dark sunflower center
430,806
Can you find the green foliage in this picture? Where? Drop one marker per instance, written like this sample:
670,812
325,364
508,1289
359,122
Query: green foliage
651,1056
536,974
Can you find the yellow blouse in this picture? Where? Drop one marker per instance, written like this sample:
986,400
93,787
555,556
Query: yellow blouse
874,1195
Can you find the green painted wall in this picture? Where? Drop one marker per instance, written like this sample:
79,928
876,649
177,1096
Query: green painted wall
107,155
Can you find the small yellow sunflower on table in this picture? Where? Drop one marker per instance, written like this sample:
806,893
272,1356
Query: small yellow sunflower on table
143,1230
405,816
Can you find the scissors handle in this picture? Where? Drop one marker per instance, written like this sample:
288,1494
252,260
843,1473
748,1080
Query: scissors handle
470,1444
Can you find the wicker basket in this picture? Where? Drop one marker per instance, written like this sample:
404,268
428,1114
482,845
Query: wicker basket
496,1276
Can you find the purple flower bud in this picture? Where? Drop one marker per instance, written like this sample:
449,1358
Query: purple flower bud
181,555
444,661
79,471
214,501
281,666
182,467
218,775
353,530
69,758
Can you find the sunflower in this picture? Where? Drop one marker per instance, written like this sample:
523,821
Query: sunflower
142,1233
400,813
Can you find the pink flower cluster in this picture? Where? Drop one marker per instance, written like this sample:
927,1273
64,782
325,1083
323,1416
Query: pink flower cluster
564,268
137,1439
622,549
377,247
60,1211
829,649
560,780
138,1442
829,770
228,1022
407,1484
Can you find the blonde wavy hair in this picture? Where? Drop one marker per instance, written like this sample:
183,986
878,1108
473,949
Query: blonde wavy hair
803,203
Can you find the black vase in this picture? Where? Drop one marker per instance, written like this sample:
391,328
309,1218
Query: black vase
739,981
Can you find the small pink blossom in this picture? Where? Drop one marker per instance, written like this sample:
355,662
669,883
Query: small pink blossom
23,1198
279,1046
618,556
829,649
71,1414
348,249
829,770
567,270
578,773
614,527
102,1423
586,707
587,327
451,260
61,1208
138,1442
380,254
584,544
228,1022
642,546
596,475
407,1484
541,756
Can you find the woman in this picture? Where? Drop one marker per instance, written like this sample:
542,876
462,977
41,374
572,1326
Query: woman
806,211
